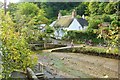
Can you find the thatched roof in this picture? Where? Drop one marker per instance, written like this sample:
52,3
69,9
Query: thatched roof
65,21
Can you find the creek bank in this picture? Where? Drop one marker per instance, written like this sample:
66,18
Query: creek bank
90,50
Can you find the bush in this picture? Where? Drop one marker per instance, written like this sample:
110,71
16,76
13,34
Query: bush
93,24
80,36
115,23
106,18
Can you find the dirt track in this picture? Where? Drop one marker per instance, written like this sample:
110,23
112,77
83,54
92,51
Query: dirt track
76,65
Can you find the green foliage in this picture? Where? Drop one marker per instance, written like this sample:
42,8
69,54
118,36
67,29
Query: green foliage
101,8
49,30
110,8
93,24
64,12
28,9
78,16
22,28
106,18
92,50
27,13
93,7
115,23
87,8
26,17
110,35
82,36
47,34
81,9
52,9
16,54
12,7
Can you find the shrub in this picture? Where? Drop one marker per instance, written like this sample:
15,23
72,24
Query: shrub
80,36
106,18
15,52
93,24
115,23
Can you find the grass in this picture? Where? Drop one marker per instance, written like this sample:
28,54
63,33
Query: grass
93,50
96,50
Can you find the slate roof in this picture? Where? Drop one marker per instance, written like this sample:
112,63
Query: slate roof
83,22
65,21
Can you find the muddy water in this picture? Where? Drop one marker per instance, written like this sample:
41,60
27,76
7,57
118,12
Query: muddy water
72,65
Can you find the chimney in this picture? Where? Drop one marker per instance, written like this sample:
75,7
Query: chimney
73,13
83,16
59,15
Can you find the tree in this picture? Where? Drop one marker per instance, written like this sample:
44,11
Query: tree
115,23
12,8
15,52
111,7
32,11
28,9
111,35
106,18
93,7
101,8
81,9
5,6
65,12
52,9
27,18
1,4
93,24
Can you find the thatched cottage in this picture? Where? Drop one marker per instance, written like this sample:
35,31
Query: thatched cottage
67,23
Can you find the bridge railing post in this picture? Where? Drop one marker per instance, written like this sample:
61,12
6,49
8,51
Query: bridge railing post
40,66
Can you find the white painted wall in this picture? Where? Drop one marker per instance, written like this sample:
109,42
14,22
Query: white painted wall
75,25
59,33
52,23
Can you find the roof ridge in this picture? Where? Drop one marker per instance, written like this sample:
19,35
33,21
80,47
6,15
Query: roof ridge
67,16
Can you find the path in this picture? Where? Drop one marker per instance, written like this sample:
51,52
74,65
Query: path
50,50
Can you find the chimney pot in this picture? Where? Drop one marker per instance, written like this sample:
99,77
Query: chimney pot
73,13
83,16
59,15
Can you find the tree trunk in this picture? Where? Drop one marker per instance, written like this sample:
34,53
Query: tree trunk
5,7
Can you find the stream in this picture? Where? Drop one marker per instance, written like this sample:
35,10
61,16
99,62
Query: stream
72,65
